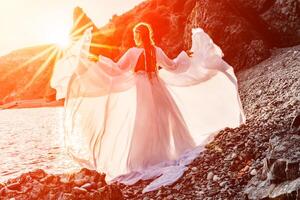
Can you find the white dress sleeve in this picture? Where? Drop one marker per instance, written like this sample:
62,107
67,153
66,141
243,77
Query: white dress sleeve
180,63
204,86
125,63
205,62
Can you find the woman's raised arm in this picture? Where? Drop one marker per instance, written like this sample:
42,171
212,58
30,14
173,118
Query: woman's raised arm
125,63
181,61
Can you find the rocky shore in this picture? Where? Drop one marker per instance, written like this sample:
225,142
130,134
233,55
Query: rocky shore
259,160
36,103
85,184
232,166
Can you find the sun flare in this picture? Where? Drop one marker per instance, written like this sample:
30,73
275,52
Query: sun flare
59,36
61,41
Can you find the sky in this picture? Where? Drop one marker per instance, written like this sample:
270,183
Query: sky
33,22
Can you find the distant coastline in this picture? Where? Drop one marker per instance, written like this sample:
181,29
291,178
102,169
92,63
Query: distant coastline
35,103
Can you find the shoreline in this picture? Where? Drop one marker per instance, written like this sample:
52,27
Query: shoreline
34,103
80,184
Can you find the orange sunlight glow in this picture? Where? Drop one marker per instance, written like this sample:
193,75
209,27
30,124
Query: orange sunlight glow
61,38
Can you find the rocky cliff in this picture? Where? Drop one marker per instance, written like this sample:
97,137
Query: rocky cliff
245,30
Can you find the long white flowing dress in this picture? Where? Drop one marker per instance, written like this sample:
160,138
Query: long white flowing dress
131,127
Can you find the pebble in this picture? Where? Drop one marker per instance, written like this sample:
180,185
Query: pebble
253,172
222,184
210,175
200,193
216,178
89,186
177,187
79,190
79,182
14,186
259,92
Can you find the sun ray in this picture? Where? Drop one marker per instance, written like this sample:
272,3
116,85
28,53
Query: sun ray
44,52
42,68
104,32
77,21
29,61
58,55
75,33
104,46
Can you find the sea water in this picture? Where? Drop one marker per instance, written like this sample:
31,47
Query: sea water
32,138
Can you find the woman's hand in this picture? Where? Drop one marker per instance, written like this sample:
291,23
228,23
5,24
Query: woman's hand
93,58
189,53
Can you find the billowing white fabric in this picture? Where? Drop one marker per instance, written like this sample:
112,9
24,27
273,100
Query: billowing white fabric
132,127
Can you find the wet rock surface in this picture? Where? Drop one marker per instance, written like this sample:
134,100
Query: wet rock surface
85,184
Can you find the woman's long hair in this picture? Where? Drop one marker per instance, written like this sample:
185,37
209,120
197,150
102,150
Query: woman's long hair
146,36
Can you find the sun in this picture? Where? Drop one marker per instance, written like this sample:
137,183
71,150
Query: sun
61,41
58,36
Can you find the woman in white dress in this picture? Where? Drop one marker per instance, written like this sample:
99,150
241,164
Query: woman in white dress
130,116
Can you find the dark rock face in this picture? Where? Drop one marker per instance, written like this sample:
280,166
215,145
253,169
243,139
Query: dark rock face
246,30
85,184
280,176
242,45
280,18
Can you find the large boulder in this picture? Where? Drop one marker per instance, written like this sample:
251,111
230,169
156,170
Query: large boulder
280,175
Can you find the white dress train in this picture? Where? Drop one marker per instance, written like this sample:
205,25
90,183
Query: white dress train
131,127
